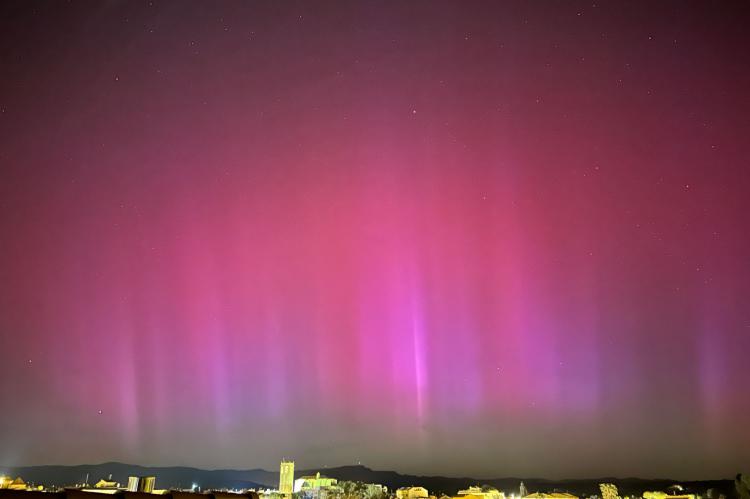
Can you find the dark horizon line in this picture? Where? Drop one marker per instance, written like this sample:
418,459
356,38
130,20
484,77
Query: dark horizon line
465,477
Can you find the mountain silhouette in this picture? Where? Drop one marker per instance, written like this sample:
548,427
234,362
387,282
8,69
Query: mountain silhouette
183,477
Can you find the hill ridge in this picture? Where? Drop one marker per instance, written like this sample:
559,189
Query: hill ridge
185,476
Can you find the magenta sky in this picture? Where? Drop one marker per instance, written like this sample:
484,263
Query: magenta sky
456,237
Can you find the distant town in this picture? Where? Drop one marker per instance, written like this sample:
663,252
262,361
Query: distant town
316,486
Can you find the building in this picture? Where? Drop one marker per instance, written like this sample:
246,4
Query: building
102,490
107,483
316,482
147,484
480,493
286,477
663,495
141,484
104,486
132,484
9,483
522,490
412,493
609,491
550,495
272,494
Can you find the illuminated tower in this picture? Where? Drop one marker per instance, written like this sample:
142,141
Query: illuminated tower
146,484
141,484
133,483
522,490
286,478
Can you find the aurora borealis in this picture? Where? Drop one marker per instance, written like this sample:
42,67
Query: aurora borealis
498,239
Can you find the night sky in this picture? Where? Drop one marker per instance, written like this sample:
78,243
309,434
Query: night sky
486,238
